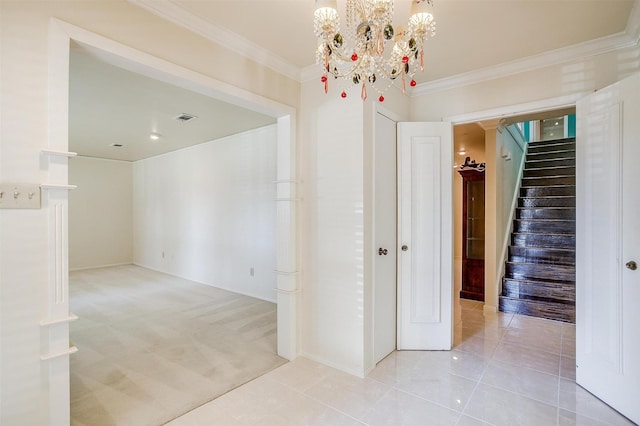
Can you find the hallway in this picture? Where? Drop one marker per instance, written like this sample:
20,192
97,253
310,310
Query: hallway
505,369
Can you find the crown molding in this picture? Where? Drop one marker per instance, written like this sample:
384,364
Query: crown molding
528,108
542,60
178,15
172,12
630,37
310,72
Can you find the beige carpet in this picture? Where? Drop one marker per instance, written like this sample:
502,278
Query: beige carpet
153,346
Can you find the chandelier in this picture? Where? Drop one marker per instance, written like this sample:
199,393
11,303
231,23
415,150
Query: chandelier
371,52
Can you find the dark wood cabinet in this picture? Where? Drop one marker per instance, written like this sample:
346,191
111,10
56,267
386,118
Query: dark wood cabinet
472,234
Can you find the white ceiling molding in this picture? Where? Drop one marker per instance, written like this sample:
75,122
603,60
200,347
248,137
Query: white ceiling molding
628,38
228,39
546,59
528,108
179,16
311,72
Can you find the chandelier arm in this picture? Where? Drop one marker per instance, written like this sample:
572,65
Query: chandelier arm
347,73
342,56
358,52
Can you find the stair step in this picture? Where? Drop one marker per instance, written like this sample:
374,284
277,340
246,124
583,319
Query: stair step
551,155
548,181
567,213
542,255
565,291
570,160
550,201
540,271
545,226
535,148
544,191
550,171
552,141
539,307
544,240
539,276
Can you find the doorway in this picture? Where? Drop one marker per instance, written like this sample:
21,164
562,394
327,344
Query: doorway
489,122
62,35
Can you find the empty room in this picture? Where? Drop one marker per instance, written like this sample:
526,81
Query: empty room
171,245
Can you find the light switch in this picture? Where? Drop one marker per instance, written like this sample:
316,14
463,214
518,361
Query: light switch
19,196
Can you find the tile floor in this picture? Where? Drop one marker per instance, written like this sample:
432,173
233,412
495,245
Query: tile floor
505,369
153,346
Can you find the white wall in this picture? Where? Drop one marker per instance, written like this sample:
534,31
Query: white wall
513,145
207,213
332,172
100,213
503,176
336,166
578,76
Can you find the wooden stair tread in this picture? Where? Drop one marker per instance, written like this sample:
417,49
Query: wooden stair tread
544,299
538,308
539,277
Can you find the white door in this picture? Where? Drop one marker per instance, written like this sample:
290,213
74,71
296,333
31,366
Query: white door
607,238
384,320
425,236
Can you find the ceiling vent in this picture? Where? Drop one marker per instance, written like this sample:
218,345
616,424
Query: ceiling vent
117,145
183,118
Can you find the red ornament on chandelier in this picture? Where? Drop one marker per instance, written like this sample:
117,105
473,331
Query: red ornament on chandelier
343,94
381,98
413,83
354,57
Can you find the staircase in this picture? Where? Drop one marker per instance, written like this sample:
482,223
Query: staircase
540,271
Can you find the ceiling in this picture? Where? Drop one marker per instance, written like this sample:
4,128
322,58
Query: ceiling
471,34
110,105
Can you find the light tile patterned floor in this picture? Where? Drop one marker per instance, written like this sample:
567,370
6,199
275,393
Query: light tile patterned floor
504,370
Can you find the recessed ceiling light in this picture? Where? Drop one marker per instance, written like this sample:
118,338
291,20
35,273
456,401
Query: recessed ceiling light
184,117
117,145
154,136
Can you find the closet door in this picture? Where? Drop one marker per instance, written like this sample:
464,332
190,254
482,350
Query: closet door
608,245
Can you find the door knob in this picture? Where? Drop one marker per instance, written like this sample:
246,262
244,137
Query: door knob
631,265
405,247
382,252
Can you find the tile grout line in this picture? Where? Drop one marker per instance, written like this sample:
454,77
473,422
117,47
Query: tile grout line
475,388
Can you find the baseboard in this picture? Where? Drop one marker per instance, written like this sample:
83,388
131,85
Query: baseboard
232,290
332,365
487,309
85,268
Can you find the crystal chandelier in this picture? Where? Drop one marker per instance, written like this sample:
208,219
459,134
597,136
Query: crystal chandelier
371,52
